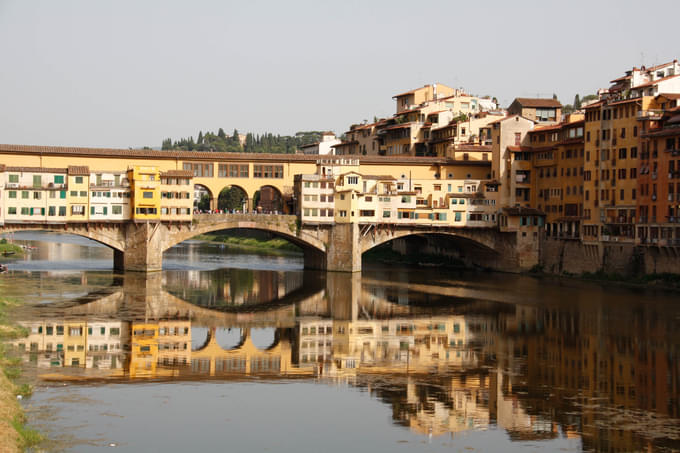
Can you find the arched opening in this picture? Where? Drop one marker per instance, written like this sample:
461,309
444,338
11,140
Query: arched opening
263,338
233,199
203,198
434,249
229,338
268,200
200,337
73,251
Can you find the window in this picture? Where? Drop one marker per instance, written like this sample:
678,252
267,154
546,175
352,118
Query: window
352,180
79,179
342,213
24,194
11,211
268,171
83,193
37,181
62,211
12,193
36,195
14,178
59,179
116,210
147,194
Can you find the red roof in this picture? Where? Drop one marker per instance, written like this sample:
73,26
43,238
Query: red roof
538,102
654,82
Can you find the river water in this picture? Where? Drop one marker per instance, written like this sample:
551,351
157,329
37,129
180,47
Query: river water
226,350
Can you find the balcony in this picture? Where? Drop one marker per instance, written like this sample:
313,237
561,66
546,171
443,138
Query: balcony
650,114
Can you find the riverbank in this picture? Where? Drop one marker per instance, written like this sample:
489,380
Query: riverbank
665,281
277,246
8,250
15,436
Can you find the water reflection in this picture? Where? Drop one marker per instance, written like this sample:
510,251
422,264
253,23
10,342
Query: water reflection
443,358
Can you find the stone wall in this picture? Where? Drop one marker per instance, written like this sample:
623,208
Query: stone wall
574,257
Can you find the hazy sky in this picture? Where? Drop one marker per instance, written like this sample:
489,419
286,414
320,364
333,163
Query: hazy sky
130,73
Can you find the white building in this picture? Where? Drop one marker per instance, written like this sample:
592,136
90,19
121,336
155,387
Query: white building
109,196
323,147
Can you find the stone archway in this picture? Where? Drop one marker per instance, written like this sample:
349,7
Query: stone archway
268,199
204,199
233,199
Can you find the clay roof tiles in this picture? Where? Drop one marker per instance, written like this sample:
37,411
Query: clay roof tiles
538,102
78,170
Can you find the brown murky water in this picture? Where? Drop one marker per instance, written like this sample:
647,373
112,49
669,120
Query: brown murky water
250,353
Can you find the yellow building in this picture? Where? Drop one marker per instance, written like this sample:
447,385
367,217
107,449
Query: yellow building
78,193
144,350
75,343
145,186
611,168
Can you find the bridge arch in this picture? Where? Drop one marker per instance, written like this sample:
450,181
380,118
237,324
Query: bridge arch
233,198
264,338
268,199
204,199
475,248
282,226
110,236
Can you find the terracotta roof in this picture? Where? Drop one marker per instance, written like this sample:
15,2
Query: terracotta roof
219,157
669,95
397,126
36,169
177,174
537,102
624,101
499,120
410,91
654,68
625,77
654,82
547,128
379,177
341,144
406,112
594,104
79,170
472,147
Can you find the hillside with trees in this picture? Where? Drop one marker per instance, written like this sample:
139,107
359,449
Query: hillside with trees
253,143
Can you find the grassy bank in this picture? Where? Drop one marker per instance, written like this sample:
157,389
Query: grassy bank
15,436
280,245
7,247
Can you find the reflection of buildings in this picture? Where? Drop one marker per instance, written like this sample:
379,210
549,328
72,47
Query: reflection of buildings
537,372
57,343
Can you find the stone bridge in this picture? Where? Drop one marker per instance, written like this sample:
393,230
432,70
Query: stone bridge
332,247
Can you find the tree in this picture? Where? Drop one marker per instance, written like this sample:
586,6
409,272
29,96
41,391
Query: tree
231,198
167,144
204,203
577,102
221,134
554,96
199,140
235,138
